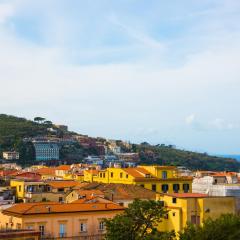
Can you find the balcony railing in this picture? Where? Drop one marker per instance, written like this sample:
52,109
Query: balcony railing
79,237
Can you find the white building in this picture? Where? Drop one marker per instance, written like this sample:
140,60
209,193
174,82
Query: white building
11,155
216,186
46,150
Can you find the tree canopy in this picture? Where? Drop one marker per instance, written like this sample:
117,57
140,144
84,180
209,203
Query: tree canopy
226,227
138,222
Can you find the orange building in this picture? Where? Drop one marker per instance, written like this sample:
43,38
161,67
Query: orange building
60,219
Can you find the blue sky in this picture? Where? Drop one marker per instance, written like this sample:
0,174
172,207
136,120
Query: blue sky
156,71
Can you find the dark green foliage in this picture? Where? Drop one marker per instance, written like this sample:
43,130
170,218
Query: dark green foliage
168,155
136,221
12,132
227,227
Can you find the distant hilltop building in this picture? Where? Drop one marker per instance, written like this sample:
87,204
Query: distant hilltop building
62,127
46,150
11,155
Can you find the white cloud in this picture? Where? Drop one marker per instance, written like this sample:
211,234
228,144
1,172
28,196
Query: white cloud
115,100
6,11
190,119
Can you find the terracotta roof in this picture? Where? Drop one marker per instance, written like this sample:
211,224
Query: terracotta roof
188,195
63,184
46,171
64,167
122,191
53,208
93,171
92,200
136,172
95,192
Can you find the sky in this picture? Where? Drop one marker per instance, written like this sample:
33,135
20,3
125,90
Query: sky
138,70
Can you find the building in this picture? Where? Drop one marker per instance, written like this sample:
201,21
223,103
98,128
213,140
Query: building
19,234
61,220
38,191
11,155
217,185
62,127
122,194
160,179
193,208
46,150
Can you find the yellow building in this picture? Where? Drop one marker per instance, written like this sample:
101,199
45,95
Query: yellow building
162,179
193,208
56,220
38,191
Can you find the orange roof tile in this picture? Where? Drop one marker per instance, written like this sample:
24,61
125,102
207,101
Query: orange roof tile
64,167
63,184
54,208
93,171
46,171
136,172
90,192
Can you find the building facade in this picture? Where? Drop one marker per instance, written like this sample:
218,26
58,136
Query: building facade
11,155
46,150
160,179
56,220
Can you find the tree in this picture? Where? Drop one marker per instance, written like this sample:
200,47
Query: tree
138,222
38,119
226,227
48,123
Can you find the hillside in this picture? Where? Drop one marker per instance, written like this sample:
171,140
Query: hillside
168,155
14,129
12,132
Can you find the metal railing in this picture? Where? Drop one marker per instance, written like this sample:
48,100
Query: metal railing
79,237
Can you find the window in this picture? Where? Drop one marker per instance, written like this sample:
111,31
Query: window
142,185
186,187
111,174
62,230
164,174
174,200
126,175
83,227
100,175
176,188
101,226
166,216
104,175
154,187
61,189
30,227
195,220
41,229
121,175
20,188
174,214
60,199
165,188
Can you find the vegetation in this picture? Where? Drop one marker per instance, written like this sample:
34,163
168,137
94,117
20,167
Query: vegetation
138,222
13,130
169,155
227,227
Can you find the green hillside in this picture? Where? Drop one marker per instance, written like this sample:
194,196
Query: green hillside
12,132
168,155
14,129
